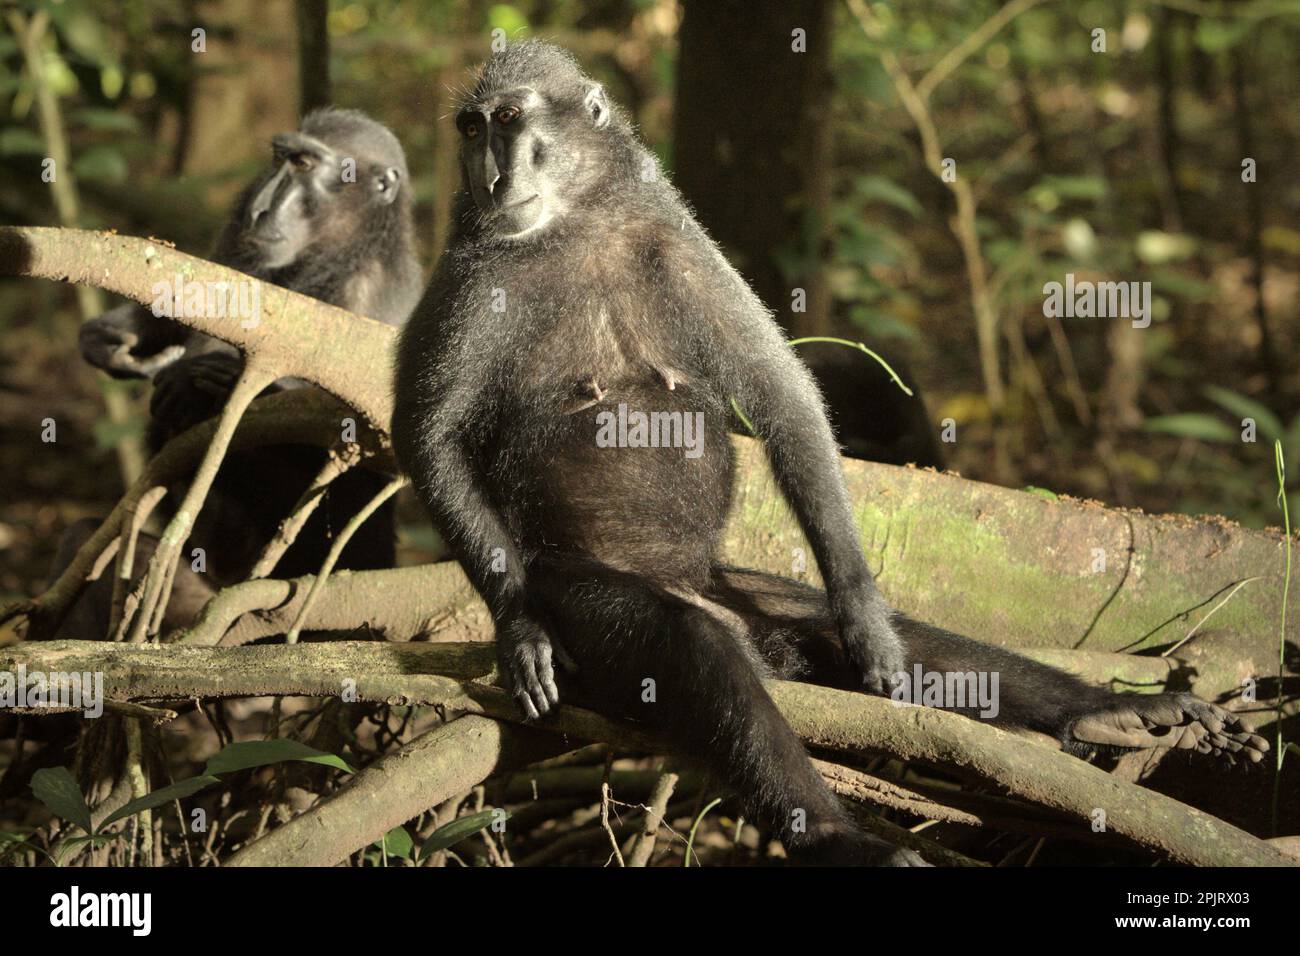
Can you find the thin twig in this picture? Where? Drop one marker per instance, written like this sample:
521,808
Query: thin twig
1210,613
155,587
963,225
604,822
338,461
959,54
644,844
336,549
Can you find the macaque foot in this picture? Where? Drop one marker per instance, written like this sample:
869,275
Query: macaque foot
841,846
1176,721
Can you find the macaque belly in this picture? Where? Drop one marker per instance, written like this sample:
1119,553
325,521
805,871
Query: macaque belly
639,479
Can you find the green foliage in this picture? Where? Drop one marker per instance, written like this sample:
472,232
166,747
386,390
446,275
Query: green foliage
1192,425
395,843
248,754
449,834
108,433
84,33
1053,191
880,189
101,164
1216,36
505,16
14,843
57,789
16,141
158,798
1041,492
1269,425
104,121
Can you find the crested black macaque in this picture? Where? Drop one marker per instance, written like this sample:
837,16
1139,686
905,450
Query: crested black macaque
330,218
578,293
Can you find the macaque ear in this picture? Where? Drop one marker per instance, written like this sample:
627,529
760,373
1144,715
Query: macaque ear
597,106
387,183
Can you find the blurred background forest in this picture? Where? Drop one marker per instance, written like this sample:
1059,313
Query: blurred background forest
815,171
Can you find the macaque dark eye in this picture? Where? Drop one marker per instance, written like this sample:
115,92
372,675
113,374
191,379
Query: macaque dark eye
506,115
471,131
302,162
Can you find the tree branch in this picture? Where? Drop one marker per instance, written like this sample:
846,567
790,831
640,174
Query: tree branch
452,675
296,337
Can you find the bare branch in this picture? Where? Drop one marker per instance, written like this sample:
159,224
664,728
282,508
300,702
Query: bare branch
831,720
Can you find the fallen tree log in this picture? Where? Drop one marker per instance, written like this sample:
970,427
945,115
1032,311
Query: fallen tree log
1017,569
452,675
450,610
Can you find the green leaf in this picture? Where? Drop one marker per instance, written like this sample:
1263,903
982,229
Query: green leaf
1156,248
881,325
880,189
14,847
1241,406
101,163
16,141
1041,492
104,121
1079,239
506,17
259,753
1183,285
864,76
1051,191
15,841
449,834
420,536
1215,36
177,791
397,842
55,787
88,37
68,846
1192,425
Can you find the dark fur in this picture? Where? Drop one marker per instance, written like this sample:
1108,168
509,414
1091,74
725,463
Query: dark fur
610,553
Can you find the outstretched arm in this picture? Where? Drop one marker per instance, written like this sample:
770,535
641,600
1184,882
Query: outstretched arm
774,389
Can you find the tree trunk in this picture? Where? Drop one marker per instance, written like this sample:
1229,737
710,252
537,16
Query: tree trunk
242,93
752,142
313,54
